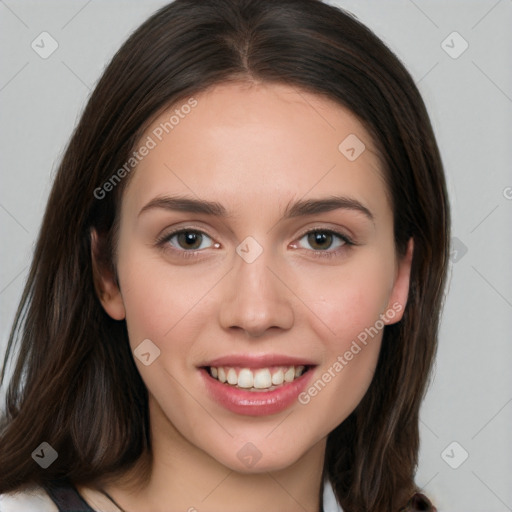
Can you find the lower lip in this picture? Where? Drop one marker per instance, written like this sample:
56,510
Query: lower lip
255,403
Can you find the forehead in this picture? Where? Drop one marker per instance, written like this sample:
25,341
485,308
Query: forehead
243,143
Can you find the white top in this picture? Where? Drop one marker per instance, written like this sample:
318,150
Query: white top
37,500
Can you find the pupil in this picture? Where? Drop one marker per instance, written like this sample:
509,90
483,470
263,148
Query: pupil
190,239
320,238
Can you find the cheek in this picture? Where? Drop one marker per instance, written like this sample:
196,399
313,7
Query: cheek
351,306
160,301
164,305
353,298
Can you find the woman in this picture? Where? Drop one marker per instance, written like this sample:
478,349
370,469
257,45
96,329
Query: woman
235,295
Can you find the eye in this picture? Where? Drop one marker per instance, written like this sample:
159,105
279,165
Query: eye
325,241
187,240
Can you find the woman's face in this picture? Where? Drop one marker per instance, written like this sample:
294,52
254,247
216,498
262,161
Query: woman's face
256,245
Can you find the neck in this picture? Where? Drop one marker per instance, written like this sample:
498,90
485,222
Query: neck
184,477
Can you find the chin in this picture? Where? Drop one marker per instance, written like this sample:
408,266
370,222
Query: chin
262,455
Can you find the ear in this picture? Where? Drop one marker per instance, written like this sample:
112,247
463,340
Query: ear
105,283
400,292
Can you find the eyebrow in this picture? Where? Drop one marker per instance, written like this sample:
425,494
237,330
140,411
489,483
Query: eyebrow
296,209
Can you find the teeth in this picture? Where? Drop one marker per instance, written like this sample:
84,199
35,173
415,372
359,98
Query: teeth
263,378
278,377
231,377
289,374
245,379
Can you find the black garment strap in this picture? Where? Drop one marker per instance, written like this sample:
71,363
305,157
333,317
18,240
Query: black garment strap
66,497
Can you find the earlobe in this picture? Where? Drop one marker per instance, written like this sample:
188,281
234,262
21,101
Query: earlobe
398,299
106,287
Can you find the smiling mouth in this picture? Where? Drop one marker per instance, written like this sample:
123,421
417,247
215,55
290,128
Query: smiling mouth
257,379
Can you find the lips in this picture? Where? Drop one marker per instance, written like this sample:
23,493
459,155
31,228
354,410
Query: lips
256,385
257,361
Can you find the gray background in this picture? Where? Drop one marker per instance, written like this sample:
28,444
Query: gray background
470,102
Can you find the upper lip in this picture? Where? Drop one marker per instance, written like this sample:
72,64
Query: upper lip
257,361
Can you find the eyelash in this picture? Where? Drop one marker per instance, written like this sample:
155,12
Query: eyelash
347,242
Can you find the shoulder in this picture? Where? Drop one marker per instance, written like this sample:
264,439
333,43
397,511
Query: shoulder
418,502
35,499
330,503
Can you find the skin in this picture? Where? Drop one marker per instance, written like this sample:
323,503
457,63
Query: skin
254,148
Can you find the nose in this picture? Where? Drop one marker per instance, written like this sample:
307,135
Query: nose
256,299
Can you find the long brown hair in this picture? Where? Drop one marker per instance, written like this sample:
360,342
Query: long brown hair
75,384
